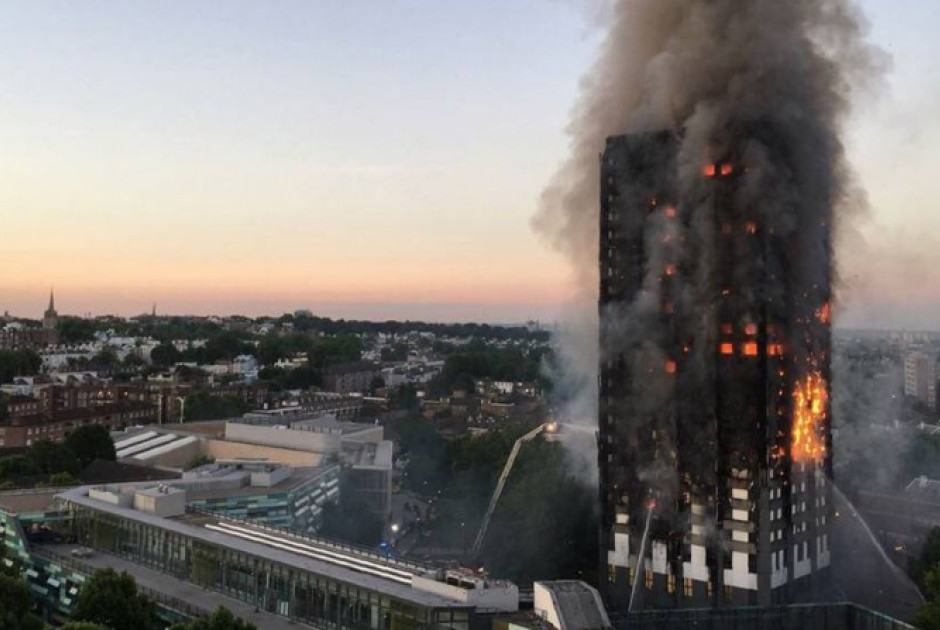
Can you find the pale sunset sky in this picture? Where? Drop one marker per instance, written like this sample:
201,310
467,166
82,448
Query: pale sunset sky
370,159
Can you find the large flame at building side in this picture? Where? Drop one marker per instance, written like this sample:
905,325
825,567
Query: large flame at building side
810,402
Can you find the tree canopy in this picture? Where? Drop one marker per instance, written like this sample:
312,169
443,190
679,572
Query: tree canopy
74,330
205,406
22,362
111,599
50,458
89,443
221,619
929,616
16,604
478,360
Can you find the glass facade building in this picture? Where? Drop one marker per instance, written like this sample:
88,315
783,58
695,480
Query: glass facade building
299,508
272,579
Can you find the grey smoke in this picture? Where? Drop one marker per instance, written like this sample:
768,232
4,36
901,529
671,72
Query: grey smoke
705,68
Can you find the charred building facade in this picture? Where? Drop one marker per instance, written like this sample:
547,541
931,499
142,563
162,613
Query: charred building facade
714,441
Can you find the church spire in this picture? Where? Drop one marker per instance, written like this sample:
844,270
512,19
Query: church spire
50,319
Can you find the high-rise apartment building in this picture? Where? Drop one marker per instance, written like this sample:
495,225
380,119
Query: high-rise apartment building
920,378
714,445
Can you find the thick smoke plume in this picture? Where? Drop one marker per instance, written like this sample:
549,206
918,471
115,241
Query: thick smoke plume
771,81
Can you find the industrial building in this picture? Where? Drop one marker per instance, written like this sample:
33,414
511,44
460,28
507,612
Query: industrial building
316,448
147,530
714,444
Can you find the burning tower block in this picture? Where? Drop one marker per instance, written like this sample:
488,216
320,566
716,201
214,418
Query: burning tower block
714,439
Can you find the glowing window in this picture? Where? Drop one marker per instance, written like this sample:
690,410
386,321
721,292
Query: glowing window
750,330
750,227
709,170
687,587
671,212
670,270
727,348
750,349
670,367
648,578
775,350
670,584
726,169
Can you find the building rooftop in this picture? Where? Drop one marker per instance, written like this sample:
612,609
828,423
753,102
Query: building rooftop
106,471
23,501
368,573
297,478
577,605
923,489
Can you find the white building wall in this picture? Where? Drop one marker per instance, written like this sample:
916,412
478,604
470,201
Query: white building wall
284,438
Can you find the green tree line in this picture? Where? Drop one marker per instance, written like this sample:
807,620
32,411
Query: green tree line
57,463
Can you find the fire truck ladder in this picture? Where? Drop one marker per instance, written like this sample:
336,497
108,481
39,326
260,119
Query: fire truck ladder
550,427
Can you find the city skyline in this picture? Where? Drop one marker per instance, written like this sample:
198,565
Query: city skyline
376,165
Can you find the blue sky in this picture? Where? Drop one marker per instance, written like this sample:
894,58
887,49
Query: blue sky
352,156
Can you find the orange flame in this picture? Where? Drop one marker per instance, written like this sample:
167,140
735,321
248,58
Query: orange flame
824,313
809,417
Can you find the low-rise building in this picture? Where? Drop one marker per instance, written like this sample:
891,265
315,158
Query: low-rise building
323,583
346,378
22,430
